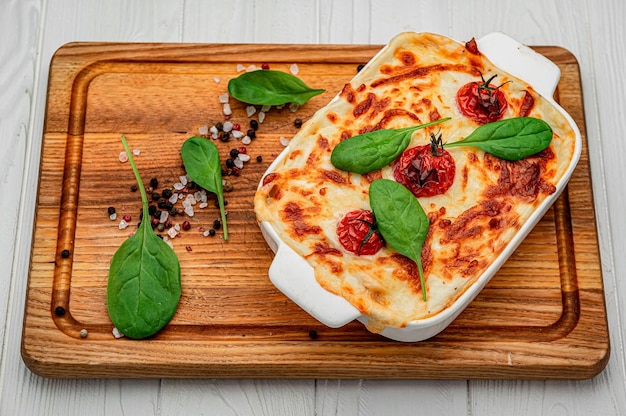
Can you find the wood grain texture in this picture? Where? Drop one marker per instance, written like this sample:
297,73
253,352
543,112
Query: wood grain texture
228,307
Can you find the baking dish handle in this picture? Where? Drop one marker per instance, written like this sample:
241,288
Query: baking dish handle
517,59
294,277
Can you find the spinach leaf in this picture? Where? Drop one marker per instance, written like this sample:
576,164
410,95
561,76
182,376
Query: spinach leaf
401,220
510,139
268,87
144,287
202,163
367,152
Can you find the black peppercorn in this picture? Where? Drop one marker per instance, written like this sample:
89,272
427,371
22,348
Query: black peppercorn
259,158
251,134
167,193
111,210
152,209
234,153
217,224
230,163
156,196
154,183
313,334
297,122
219,126
212,232
65,253
223,136
360,67
162,203
133,188
59,311
254,124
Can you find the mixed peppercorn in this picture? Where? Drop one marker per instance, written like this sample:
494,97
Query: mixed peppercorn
166,215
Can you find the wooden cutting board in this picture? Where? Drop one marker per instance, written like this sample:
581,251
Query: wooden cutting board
542,317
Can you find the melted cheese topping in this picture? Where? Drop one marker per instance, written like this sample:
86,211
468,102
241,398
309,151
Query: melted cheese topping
413,80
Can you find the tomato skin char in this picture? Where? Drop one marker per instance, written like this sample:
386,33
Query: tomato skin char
423,173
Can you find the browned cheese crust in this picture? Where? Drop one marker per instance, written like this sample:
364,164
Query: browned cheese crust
413,80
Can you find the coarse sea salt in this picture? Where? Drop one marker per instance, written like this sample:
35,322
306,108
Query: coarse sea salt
227,126
250,110
113,216
203,130
123,157
284,141
238,163
123,225
116,333
240,68
227,110
164,216
172,233
244,157
237,134
224,98
168,242
246,140
294,69
261,117
183,179
136,152
189,200
217,80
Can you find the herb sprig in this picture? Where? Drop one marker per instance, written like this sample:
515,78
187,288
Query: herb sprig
144,287
269,87
401,221
371,151
202,163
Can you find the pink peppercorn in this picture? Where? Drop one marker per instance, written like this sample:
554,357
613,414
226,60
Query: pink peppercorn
126,217
265,66
242,149
186,225
236,126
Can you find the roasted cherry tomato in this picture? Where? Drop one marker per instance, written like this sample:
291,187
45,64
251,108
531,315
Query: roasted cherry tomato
358,234
482,101
426,170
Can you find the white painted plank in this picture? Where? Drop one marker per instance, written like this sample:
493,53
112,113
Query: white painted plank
250,21
237,397
376,22
391,397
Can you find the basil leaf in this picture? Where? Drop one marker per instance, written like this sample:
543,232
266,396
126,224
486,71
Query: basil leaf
268,87
401,220
368,152
202,163
143,288
510,139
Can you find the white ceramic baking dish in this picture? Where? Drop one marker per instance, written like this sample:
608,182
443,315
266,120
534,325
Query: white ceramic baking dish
294,277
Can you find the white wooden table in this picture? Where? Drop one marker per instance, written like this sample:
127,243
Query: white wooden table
30,32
